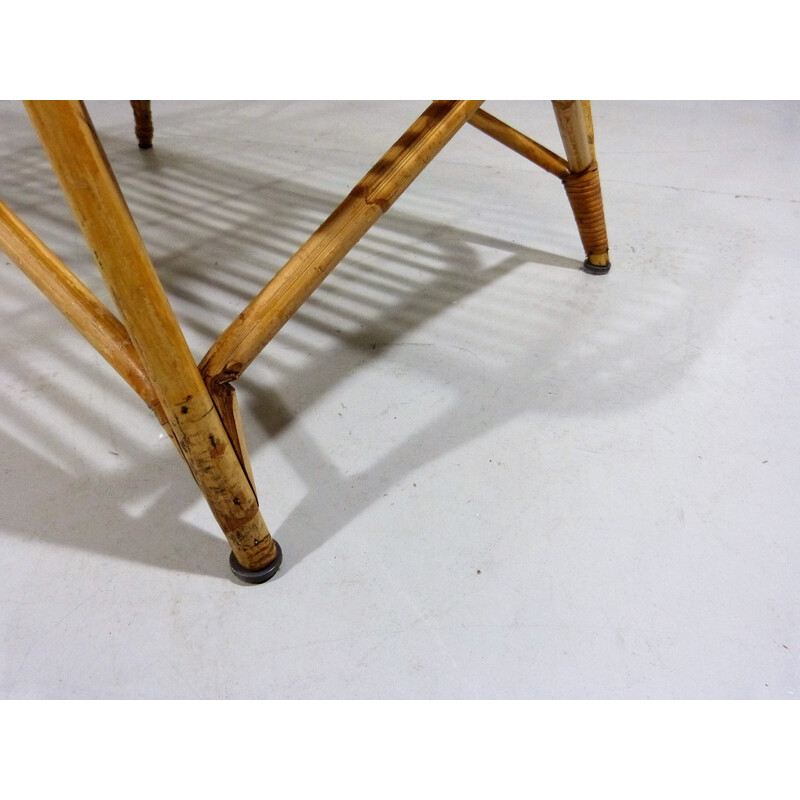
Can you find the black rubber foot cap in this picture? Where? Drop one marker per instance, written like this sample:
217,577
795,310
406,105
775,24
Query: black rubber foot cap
595,269
257,575
145,145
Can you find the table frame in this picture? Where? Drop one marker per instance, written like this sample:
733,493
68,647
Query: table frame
196,403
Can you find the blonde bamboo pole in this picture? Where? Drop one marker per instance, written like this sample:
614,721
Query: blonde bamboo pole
80,164
575,125
77,303
571,120
519,143
302,274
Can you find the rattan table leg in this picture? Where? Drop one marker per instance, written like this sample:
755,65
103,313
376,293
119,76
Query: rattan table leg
81,166
583,183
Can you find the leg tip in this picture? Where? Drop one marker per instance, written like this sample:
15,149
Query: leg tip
145,145
257,575
596,269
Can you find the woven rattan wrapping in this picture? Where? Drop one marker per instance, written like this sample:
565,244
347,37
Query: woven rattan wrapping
144,122
583,190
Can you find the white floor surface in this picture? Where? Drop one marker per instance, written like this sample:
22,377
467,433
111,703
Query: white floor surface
492,475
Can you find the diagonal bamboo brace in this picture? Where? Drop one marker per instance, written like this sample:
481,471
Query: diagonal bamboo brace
80,164
520,143
247,335
77,303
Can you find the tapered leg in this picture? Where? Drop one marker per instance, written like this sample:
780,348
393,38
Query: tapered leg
143,119
583,183
100,209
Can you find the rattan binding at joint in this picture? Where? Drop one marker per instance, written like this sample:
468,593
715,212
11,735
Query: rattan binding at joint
583,191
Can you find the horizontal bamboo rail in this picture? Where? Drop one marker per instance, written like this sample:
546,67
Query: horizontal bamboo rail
519,143
247,335
77,303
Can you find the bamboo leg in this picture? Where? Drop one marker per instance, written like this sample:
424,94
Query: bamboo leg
247,336
583,182
143,119
97,203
